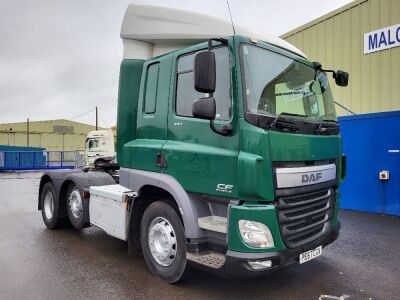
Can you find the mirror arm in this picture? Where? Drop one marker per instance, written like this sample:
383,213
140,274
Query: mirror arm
330,71
318,66
226,130
221,40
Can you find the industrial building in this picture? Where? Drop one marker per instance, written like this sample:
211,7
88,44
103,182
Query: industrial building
61,135
362,38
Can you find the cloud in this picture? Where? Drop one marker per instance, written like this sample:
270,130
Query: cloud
60,58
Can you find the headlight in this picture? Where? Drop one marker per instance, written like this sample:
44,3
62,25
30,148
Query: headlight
256,234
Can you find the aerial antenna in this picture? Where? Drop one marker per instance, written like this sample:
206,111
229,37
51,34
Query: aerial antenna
230,14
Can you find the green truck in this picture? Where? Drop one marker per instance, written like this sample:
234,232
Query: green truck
228,146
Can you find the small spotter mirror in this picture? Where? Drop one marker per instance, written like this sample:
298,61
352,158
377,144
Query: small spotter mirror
204,108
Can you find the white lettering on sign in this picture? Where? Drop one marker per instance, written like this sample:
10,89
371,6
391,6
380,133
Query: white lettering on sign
381,39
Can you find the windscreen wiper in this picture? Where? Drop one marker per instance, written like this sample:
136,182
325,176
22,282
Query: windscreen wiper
278,117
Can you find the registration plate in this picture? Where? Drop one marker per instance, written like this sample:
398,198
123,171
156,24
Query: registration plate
309,255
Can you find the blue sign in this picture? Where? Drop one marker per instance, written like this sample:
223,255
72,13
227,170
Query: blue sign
381,39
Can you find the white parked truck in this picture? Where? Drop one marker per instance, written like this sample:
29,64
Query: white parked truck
99,149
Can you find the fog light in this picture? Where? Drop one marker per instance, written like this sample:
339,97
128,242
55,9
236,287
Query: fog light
260,264
256,234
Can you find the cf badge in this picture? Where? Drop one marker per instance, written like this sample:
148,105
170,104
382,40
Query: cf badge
224,188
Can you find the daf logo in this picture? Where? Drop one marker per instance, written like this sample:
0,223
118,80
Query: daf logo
224,188
311,177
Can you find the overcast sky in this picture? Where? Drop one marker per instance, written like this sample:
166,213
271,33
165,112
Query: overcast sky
60,58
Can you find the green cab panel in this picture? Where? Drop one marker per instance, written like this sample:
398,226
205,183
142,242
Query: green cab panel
259,148
201,160
128,95
151,123
142,154
255,169
202,169
301,147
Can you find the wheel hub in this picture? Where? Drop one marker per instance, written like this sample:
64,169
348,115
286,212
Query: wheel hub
75,203
162,241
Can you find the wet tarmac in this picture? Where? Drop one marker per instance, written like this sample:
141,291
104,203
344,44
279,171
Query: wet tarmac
37,263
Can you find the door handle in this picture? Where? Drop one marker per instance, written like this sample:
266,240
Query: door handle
161,162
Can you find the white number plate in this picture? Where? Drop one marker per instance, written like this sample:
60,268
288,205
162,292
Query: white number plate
309,255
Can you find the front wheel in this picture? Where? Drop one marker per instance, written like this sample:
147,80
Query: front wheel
163,243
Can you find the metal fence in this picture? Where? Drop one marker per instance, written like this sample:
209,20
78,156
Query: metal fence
41,160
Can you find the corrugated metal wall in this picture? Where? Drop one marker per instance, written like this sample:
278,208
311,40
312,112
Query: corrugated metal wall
46,134
336,40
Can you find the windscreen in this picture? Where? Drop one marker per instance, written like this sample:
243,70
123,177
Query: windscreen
276,84
92,143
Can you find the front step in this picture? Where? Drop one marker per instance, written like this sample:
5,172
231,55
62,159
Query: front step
213,223
209,259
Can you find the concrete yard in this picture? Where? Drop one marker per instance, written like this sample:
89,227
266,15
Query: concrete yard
37,263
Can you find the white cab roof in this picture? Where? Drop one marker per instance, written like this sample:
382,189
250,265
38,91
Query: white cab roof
149,30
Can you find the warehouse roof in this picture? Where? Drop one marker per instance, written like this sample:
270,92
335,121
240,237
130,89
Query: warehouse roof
54,126
324,17
149,30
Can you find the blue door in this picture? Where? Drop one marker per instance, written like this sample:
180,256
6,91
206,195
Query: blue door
391,187
371,143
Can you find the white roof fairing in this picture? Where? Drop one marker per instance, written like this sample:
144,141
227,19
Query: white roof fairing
149,30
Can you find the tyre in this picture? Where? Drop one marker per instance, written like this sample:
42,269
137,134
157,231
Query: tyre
99,164
163,242
50,206
77,208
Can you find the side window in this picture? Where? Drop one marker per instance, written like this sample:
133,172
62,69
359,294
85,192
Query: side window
186,94
151,88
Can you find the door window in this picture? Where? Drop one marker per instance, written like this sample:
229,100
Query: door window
151,89
186,94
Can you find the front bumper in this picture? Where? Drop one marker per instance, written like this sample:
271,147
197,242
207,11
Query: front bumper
237,266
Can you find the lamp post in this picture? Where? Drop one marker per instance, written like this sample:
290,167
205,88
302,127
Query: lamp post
8,136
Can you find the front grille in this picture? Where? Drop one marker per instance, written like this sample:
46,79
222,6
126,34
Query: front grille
306,217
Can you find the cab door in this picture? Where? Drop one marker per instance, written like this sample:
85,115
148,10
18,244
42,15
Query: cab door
201,160
151,130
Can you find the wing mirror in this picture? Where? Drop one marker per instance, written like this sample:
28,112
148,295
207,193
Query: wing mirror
204,108
204,72
341,78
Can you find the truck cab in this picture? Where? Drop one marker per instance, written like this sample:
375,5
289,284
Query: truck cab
228,146
99,148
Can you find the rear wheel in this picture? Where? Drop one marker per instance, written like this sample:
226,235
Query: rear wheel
163,242
50,206
76,207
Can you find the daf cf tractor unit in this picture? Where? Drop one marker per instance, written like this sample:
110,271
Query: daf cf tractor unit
228,146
